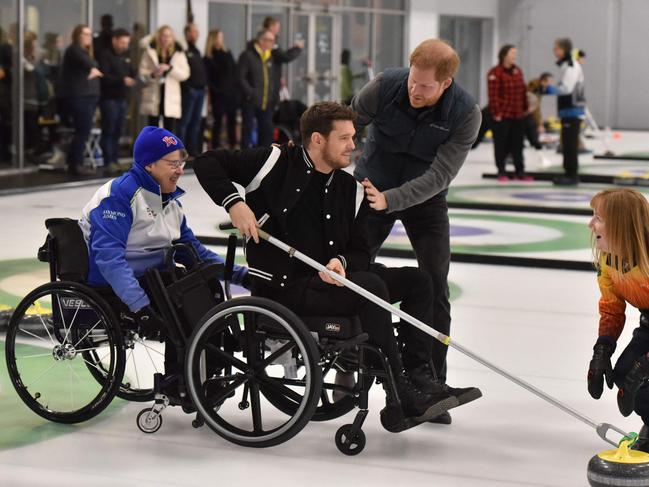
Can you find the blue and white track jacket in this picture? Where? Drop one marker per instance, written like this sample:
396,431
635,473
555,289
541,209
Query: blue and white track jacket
128,230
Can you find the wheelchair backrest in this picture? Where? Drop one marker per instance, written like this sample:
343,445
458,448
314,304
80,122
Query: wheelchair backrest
67,250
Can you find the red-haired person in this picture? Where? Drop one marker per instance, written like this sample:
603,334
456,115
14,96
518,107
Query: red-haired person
620,228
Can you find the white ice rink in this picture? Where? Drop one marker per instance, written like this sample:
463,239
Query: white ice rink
538,324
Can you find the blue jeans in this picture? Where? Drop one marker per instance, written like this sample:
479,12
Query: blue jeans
427,227
113,113
82,111
189,128
264,126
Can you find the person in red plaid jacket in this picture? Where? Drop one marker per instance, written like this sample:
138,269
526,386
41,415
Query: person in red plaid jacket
508,105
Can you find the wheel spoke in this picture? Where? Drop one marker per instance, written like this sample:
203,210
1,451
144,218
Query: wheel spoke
281,388
87,333
147,347
255,407
226,391
35,336
226,357
49,354
65,328
40,375
45,326
276,354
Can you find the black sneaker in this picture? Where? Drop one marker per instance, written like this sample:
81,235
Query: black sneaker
464,394
425,379
566,181
422,406
444,418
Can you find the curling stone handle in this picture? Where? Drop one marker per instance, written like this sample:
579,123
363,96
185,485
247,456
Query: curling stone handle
603,428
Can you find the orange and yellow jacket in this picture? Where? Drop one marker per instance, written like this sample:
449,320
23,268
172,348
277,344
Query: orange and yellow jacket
616,291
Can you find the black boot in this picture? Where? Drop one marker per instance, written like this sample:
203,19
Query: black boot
444,418
425,379
642,444
416,406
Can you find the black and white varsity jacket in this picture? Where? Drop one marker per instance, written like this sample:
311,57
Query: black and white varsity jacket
273,179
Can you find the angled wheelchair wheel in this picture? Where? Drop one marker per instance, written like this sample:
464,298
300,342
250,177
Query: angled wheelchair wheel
330,405
57,335
242,349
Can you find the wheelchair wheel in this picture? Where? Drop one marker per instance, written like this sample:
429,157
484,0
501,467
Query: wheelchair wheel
230,365
329,407
56,335
143,358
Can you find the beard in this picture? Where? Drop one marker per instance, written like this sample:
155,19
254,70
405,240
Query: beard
335,161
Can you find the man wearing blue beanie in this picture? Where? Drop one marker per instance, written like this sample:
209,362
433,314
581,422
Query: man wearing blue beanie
131,220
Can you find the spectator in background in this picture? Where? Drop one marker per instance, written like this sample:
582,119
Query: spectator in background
508,104
222,83
258,90
534,118
280,56
571,104
35,94
6,67
119,78
193,95
104,39
347,77
163,67
79,93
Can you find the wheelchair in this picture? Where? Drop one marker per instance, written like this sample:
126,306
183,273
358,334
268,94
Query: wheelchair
247,367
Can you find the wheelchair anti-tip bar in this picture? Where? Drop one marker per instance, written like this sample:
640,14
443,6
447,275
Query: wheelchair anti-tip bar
601,428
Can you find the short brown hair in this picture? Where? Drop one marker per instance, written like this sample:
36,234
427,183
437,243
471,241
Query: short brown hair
438,55
320,117
565,44
268,22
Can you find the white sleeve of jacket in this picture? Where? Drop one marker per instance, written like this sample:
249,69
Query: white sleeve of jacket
570,76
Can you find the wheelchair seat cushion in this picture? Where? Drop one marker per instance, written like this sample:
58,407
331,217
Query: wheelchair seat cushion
337,327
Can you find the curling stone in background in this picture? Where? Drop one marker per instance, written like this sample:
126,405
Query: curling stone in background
620,468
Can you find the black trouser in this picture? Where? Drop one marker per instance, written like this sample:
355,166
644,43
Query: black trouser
637,347
222,105
168,123
427,228
410,286
532,131
570,140
508,139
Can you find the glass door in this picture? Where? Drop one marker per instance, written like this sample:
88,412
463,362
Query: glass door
314,75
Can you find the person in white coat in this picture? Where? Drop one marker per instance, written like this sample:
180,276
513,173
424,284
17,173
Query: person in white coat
162,68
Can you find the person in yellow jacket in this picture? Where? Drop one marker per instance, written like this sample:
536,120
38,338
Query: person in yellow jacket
163,67
620,229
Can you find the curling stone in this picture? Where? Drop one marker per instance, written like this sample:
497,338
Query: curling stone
619,468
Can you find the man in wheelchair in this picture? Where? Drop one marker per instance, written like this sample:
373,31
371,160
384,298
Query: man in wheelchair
131,222
302,195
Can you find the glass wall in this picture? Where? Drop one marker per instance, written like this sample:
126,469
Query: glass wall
465,34
231,19
372,30
7,43
30,69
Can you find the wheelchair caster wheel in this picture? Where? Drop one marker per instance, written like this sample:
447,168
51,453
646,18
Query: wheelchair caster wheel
197,423
244,405
149,421
348,444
